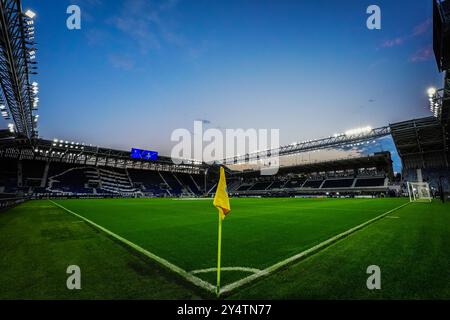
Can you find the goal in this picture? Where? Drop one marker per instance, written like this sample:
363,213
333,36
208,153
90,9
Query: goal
419,192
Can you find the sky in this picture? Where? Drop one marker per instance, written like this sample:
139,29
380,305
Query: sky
139,69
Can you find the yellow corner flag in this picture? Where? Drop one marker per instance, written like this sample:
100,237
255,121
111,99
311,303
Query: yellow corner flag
222,203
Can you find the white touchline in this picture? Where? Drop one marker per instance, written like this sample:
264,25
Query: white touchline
191,278
256,272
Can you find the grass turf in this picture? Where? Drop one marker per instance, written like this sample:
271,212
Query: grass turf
411,248
38,240
258,233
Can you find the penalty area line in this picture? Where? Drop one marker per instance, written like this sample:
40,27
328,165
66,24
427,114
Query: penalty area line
232,286
181,272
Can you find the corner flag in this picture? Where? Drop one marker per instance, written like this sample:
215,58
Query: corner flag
222,203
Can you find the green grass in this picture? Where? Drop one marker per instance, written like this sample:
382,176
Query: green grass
257,234
39,240
413,252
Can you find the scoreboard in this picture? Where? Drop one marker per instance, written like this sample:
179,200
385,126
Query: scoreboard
144,154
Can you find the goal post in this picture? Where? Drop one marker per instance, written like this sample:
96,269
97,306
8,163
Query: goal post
419,192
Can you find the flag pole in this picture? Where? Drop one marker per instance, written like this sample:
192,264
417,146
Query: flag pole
219,253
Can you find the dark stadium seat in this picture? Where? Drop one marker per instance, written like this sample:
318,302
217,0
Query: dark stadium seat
244,187
294,183
261,185
277,184
189,183
313,184
369,182
175,186
338,183
69,180
149,180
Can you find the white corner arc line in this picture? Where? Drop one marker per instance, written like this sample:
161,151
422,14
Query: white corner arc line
243,269
183,273
267,271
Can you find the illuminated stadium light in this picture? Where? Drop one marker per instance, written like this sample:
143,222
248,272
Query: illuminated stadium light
11,128
435,100
431,92
358,131
4,112
30,14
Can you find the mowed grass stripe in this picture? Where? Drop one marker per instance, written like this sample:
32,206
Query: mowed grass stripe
258,234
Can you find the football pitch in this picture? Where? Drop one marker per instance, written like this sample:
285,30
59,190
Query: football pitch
260,236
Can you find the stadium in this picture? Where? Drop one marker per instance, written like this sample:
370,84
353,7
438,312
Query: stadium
139,225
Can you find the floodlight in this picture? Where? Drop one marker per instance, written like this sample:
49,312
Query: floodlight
431,92
30,14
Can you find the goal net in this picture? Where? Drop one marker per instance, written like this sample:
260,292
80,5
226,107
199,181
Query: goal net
419,192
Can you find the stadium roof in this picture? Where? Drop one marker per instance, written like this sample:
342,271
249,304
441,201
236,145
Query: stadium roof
337,140
22,148
421,142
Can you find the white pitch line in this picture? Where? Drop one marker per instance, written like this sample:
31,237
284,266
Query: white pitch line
267,271
244,269
183,273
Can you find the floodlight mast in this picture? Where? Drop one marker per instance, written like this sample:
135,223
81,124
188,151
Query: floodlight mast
17,63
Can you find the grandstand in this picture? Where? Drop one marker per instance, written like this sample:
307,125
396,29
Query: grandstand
371,175
48,169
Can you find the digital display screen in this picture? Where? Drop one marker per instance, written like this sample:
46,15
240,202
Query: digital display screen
144,154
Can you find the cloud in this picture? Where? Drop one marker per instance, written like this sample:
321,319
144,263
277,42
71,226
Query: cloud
423,54
145,24
420,29
393,42
121,62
